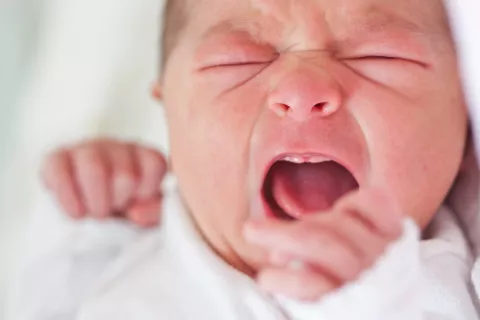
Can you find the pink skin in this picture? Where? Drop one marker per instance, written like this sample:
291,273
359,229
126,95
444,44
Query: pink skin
107,179
334,248
348,79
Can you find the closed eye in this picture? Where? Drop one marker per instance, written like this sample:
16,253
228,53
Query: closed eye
232,65
378,57
381,58
231,75
388,70
387,59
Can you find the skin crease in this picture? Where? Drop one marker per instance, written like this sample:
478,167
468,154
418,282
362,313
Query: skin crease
400,123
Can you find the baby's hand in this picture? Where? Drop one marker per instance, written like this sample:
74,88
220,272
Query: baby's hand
314,256
107,178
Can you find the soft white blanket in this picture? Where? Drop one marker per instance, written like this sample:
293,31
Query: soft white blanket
466,25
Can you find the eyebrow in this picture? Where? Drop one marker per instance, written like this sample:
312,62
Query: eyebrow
377,21
230,25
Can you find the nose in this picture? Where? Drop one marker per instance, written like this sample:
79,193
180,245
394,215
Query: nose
303,94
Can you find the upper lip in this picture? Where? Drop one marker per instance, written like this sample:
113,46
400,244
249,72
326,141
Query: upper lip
306,157
301,158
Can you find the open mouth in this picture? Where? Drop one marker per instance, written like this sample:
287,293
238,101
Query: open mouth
299,186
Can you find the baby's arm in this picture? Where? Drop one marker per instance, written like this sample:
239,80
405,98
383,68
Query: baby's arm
67,256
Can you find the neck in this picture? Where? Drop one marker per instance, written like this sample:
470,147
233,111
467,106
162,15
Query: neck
222,247
225,251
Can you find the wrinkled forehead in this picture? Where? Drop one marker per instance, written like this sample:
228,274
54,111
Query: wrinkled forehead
339,16
283,7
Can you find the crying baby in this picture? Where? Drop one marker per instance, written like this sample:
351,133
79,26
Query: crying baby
303,134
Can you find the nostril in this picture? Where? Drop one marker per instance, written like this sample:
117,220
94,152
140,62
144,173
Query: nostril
281,109
323,108
319,107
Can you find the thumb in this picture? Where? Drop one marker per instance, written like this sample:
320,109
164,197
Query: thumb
145,213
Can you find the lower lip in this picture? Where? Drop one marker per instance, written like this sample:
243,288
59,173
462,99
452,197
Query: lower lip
259,208
267,211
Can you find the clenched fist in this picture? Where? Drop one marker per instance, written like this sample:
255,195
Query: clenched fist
107,178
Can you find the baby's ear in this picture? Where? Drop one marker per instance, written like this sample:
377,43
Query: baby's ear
157,91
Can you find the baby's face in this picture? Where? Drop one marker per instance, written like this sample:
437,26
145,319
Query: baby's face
279,107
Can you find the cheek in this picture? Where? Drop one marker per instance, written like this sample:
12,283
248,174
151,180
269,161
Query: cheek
209,141
415,146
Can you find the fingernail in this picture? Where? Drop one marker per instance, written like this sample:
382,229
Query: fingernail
280,258
149,223
252,230
296,264
249,233
152,217
77,211
76,215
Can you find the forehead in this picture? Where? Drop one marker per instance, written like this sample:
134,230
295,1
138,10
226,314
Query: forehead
356,8
341,17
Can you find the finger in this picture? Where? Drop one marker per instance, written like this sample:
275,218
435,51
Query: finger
367,244
310,243
58,176
152,168
92,172
51,165
123,174
301,284
145,213
376,209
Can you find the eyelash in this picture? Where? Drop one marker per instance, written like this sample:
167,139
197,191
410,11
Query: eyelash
360,58
253,63
386,58
375,58
382,57
234,64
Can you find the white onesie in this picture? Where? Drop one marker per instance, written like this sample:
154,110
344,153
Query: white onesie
96,271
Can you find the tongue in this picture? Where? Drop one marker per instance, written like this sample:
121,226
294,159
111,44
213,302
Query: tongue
301,189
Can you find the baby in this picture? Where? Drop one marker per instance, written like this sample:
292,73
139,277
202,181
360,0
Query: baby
301,133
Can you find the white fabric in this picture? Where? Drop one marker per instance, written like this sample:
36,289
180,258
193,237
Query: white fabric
465,22
169,273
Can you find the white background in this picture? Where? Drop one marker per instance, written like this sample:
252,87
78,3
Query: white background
69,69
